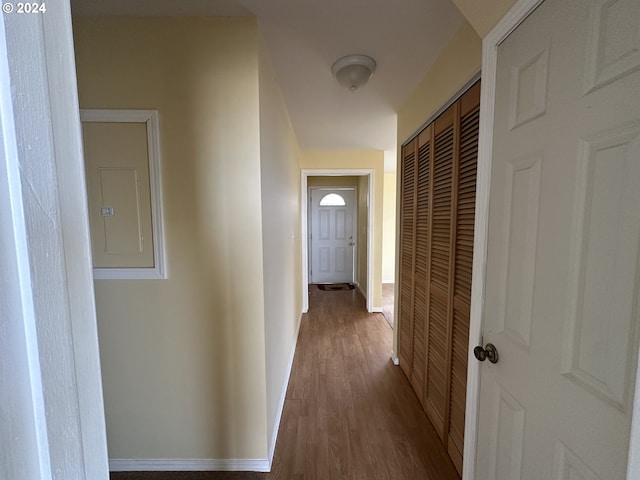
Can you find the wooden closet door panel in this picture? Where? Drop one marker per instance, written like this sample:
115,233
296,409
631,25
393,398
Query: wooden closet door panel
407,258
465,217
419,366
437,350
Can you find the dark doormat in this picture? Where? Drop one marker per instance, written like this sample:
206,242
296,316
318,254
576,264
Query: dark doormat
336,287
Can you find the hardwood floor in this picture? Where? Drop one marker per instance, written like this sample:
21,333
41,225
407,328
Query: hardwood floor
349,412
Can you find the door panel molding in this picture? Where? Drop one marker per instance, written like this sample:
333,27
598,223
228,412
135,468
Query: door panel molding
569,465
521,207
608,175
507,437
605,64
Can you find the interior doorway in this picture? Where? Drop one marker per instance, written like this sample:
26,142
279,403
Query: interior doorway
363,259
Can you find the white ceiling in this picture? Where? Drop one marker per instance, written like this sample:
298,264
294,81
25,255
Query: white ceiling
305,37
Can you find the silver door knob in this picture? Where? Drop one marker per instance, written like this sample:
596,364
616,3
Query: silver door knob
489,352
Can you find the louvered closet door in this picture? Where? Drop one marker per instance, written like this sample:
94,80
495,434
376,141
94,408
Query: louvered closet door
437,222
420,305
437,346
407,254
463,258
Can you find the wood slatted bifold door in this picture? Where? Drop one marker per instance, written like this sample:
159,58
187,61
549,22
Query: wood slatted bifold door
436,249
407,252
420,321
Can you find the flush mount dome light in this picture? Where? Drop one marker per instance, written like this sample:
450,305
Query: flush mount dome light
353,71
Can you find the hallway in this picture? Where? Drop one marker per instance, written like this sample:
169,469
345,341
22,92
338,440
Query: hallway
349,413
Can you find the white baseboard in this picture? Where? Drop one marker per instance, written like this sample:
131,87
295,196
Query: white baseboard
188,465
283,395
375,309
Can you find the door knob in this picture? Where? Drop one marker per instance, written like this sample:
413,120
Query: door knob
489,352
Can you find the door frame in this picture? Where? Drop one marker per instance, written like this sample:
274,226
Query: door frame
518,13
304,212
355,222
58,322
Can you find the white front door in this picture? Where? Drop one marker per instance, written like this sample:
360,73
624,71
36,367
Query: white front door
332,235
563,263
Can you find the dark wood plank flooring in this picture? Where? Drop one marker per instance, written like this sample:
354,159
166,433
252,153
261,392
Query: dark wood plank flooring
349,412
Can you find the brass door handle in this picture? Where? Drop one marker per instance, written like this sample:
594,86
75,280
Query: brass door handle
489,352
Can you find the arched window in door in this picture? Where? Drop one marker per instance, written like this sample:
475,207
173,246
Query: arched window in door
332,200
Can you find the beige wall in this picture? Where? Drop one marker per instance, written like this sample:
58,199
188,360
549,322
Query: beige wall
280,173
457,64
183,359
483,14
354,159
389,229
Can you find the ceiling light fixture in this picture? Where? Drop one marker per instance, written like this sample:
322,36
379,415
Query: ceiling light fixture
353,71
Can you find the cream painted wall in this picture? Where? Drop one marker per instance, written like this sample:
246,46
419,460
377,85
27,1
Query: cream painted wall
351,159
183,359
389,229
483,14
280,173
457,64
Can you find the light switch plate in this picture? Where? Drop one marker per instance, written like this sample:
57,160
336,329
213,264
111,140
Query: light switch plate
107,212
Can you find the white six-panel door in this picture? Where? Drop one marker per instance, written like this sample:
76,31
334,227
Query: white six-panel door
332,235
563,262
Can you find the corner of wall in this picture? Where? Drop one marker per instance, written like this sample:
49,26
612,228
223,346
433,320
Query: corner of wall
282,259
483,16
459,61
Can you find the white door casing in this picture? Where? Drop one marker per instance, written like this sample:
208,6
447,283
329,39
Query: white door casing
563,240
52,403
304,226
332,235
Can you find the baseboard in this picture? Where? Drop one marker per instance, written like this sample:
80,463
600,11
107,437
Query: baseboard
375,309
188,465
283,395
395,360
